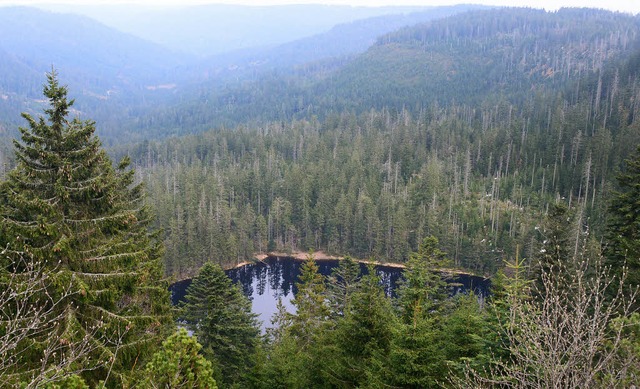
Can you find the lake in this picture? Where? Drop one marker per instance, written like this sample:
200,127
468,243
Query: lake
265,282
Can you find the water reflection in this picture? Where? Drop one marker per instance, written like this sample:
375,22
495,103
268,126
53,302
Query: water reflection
275,278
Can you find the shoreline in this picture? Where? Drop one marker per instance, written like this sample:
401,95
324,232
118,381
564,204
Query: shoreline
322,256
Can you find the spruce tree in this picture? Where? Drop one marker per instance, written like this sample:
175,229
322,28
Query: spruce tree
310,302
220,315
362,338
67,207
423,289
417,357
342,284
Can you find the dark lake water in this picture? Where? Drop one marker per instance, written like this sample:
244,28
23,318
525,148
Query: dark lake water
264,282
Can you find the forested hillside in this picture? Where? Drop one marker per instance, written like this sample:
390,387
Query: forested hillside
339,43
480,174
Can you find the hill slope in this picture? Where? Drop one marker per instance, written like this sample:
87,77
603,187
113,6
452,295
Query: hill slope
106,68
471,58
206,30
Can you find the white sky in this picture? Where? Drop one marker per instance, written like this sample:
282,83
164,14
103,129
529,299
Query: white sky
630,6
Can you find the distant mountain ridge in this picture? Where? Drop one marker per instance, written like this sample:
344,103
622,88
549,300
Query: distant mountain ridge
99,64
469,58
117,78
213,29
82,46
342,40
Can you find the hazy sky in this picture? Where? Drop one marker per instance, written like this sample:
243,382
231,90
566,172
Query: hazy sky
632,6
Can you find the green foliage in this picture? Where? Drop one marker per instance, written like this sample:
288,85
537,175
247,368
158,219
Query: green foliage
362,338
423,290
563,333
179,365
343,283
220,315
623,246
627,350
66,208
365,342
311,307
69,382
297,350
555,249
479,178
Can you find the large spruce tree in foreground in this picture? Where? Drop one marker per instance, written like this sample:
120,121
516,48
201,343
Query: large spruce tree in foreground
66,207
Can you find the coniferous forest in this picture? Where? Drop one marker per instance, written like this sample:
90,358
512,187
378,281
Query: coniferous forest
503,143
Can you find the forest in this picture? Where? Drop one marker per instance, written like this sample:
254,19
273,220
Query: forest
500,142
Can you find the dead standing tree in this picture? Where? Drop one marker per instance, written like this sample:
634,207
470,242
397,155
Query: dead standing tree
29,311
569,336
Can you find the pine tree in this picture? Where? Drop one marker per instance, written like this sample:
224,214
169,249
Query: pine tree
84,221
220,315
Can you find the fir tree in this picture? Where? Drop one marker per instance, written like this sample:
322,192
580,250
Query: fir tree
417,357
84,221
302,339
220,315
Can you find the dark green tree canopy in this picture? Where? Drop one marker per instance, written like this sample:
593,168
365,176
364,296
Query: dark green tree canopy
623,248
220,315
179,365
84,221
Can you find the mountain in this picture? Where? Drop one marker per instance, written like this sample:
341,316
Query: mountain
544,122
471,58
206,30
98,56
101,65
134,87
124,82
342,40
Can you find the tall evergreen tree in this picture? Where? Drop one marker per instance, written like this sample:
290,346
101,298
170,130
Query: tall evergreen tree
417,358
342,284
303,337
423,289
362,338
67,207
220,315
311,307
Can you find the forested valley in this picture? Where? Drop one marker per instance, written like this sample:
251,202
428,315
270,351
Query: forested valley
500,142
